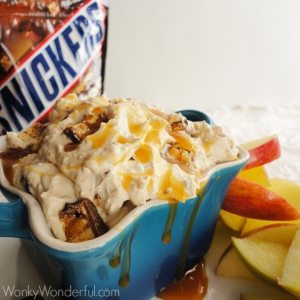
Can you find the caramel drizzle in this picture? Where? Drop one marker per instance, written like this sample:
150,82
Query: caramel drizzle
90,125
167,234
9,158
122,258
186,241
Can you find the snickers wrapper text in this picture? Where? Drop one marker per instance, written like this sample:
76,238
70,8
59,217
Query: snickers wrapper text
48,48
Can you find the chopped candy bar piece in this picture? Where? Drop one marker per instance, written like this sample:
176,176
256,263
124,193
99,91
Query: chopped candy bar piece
81,221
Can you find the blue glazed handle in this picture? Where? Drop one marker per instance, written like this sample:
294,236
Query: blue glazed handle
14,218
196,115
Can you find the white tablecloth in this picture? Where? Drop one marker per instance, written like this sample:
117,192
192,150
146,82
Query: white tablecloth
251,122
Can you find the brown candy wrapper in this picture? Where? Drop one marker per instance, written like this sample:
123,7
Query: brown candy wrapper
48,48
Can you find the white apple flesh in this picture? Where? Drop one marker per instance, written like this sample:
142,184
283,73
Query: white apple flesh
290,277
265,250
266,259
231,265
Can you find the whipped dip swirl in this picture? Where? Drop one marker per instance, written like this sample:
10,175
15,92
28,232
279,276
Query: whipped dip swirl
115,152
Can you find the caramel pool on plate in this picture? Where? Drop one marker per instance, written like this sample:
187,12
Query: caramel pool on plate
193,286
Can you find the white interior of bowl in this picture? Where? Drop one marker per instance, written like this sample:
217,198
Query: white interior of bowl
41,229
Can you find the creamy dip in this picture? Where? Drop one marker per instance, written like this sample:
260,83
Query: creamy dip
114,152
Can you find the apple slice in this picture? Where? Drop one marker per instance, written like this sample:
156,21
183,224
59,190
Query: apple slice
290,277
232,221
257,175
287,189
266,296
284,188
275,233
265,250
264,258
251,200
253,224
231,265
262,151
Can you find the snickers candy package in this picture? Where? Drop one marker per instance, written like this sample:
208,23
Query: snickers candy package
48,48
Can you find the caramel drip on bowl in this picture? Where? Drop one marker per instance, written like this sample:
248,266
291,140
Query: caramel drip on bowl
167,234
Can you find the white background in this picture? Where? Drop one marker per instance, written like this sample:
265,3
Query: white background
216,52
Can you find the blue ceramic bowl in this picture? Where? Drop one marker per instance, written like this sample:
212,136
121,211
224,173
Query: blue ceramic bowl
138,257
